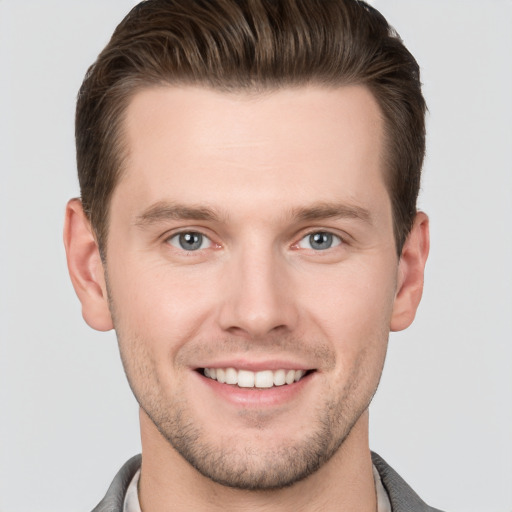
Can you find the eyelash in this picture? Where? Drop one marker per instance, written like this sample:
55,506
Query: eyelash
189,232
334,238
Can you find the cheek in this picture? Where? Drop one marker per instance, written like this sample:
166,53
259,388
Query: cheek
352,310
163,306
353,302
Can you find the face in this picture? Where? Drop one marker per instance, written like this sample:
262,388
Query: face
252,274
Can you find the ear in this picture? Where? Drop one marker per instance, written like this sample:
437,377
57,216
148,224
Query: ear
86,268
411,269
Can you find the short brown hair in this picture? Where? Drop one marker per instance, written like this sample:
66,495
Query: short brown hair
250,44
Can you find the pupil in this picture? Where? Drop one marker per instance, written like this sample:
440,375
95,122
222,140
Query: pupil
191,241
320,241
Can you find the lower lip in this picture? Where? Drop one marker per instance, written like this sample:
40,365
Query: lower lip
257,397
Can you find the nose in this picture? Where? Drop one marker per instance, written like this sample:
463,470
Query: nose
258,296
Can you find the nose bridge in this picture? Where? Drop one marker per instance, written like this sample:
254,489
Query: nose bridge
257,297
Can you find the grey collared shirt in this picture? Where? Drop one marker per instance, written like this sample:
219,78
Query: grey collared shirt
131,500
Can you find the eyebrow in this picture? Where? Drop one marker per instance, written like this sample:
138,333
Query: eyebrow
163,211
333,211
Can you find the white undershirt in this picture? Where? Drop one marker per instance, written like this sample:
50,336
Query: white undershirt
131,500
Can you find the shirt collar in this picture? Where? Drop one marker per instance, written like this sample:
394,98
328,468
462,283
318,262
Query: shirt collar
131,500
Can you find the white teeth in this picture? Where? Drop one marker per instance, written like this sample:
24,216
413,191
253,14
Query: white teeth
279,378
231,376
264,379
247,379
221,375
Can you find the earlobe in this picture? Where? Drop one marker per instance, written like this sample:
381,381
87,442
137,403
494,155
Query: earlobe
410,274
85,267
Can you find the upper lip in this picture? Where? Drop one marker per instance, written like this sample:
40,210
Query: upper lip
256,366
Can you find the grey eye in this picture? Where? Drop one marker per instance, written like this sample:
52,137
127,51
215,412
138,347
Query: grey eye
190,241
320,241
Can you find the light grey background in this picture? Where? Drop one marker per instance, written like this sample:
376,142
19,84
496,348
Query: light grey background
443,414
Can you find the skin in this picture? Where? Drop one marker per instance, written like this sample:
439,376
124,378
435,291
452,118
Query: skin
256,175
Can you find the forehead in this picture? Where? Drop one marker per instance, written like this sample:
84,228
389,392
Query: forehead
201,145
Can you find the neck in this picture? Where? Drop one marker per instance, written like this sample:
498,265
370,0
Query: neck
344,483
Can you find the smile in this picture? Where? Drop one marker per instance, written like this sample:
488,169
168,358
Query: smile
246,379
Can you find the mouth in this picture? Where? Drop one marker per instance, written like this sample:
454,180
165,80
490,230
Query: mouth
264,379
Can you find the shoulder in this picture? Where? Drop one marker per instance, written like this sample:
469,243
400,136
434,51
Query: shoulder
114,499
401,496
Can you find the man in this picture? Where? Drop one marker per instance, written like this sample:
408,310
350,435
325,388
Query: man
249,173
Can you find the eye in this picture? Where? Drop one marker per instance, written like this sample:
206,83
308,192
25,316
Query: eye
190,241
319,241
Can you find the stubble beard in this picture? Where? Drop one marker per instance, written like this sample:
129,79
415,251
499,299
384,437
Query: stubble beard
238,465
252,468
246,467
